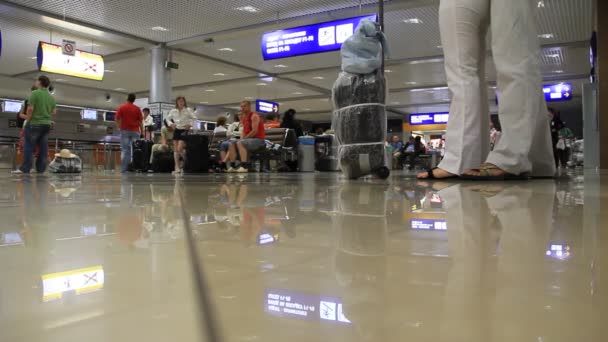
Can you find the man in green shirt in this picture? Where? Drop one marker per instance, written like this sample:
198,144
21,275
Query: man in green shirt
41,106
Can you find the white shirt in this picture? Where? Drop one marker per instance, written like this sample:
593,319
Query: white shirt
149,121
181,118
220,129
234,130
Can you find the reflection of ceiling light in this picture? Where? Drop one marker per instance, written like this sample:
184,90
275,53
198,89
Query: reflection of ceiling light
108,70
410,83
388,71
249,9
318,78
219,74
261,84
424,61
546,36
120,89
280,66
412,21
297,93
209,90
541,4
226,49
160,28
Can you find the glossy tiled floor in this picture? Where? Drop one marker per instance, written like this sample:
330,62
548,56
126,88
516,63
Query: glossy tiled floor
302,258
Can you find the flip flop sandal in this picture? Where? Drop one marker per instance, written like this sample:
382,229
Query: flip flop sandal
431,175
486,175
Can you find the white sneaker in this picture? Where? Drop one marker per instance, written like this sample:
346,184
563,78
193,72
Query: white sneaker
231,170
17,172
177,172
242,170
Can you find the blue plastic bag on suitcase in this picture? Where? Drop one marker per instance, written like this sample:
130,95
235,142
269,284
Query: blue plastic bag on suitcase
362,52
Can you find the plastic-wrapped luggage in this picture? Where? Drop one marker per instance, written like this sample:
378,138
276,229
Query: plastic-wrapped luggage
359,122
358,95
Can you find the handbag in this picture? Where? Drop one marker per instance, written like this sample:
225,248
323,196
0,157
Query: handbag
561,144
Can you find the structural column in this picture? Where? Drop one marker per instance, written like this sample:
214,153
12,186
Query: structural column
160,76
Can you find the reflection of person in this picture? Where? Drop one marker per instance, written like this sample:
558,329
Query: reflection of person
181,119
525,143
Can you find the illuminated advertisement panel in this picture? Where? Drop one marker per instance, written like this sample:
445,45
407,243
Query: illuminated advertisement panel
82,64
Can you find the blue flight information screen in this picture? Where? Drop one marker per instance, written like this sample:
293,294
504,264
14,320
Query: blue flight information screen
558,92
427,224
264,107
429,118
305,40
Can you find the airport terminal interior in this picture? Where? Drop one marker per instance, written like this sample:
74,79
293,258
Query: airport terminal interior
325,233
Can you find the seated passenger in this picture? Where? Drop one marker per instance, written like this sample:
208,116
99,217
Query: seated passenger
289,122
181,119
232,134
271,121
165,144
220,125
413,150
251,140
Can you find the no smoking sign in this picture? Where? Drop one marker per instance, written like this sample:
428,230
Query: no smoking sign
69,47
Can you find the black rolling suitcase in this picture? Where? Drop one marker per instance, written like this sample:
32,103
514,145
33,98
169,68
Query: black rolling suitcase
142,150
163,162
326,151
197,154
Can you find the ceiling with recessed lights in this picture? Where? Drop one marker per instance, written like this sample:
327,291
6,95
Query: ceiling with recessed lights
217,46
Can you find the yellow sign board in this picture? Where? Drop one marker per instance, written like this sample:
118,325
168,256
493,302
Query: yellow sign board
82,64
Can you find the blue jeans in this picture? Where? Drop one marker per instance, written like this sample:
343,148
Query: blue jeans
126,147
35,135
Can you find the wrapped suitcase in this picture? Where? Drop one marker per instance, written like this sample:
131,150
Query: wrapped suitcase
163,162
142,150
197,154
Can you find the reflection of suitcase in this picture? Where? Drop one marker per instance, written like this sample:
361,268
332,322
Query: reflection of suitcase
163,162
326,150
142,150
197,154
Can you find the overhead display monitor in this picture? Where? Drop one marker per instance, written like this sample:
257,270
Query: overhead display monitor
558,92
429,118
309,39
89,114
264,106
12,106
110,116
82,64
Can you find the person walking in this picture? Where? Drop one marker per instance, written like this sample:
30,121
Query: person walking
129,120
181,119
41,107
525,145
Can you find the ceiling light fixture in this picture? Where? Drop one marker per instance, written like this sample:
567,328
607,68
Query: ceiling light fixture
227,49
249,9
33,57
108,70
412,21
388,71
219,74
541,4
91,44
559,71
120,89
546,36
395,103
298,93
209,90
425,61
280,66
307,109
203,102
410,83
318,78
159,28
248,97
60,80
261,84
554,55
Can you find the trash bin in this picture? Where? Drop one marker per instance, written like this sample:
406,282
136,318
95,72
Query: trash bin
306,154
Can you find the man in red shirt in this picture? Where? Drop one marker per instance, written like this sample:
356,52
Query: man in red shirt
252,138
128,120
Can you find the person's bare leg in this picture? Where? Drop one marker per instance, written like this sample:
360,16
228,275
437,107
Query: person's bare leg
242,152
232,153
182,152
176,155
